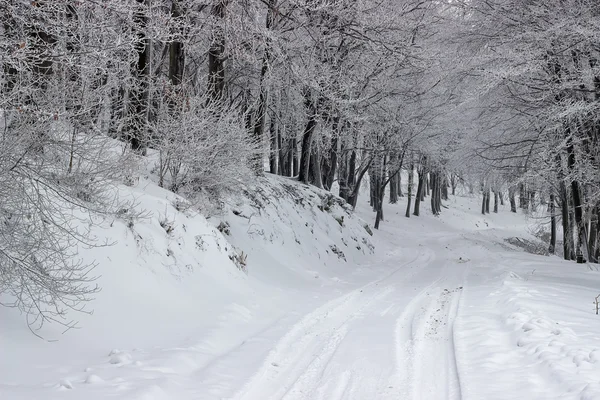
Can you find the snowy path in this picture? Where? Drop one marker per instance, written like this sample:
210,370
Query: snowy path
392,338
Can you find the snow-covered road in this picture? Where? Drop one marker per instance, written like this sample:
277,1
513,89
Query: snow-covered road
367,342
391,338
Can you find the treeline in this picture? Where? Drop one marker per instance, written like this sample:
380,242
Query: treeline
535,67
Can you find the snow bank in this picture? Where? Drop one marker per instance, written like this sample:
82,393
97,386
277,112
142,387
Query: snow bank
179,292
294,233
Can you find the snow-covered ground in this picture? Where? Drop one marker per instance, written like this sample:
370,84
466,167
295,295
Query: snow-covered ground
426,308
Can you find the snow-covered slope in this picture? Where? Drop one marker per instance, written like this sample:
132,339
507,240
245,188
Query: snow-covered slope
173,281
444,308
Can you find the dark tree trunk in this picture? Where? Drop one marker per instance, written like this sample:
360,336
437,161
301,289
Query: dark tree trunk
522,196
568,252
355,181
511,199
552,246
435,178
315,166
394,180
409,189
333,161
532,201
496,201
288,157
420,189
282,167
311,124
577,204
444,187
373,183
453,183
379,216
399,180
273,154
394,191
176,50
501,197
261,107
216,51
433,182
483,201
294,158
593,236
379,191
344,191
137,110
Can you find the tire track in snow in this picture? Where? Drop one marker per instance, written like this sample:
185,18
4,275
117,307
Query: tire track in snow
425,351
295,367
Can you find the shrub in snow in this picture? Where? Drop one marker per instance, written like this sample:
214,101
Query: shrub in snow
204,151
239,259
55,187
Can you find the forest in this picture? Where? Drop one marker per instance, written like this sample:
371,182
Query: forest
501,96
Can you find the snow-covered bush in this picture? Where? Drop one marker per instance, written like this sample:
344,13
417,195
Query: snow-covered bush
202,151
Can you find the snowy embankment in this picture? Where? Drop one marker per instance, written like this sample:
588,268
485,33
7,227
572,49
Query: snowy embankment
444,308
179,292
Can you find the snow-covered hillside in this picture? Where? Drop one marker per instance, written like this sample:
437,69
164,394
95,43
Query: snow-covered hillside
286,295
173,280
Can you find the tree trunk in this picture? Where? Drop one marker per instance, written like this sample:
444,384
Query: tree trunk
355,181
409,189
333,161
216,51
294,157
568,252
511,198
373,183
433,183
315,166
522,196
311,124
137,110
394,180
577,204
261,107
420,189
496,201
344,191
483,201
453,183
399,181
487,201
176,50
283,168
552,246
593,236
274,147
444,187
